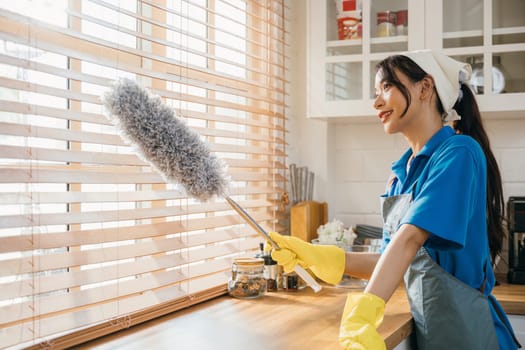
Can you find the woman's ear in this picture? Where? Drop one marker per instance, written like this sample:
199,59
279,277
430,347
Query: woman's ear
427,87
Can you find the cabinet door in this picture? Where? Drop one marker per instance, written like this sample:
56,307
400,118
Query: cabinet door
341,71
490,35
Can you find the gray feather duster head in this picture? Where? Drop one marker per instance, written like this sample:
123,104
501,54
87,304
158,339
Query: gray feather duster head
165,141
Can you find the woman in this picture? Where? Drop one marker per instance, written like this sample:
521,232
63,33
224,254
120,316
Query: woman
442,213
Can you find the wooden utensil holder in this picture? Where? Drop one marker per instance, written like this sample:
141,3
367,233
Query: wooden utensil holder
306,217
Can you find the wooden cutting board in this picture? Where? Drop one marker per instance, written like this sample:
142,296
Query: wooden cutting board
306,217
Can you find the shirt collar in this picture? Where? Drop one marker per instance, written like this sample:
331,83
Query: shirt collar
399,166
436,140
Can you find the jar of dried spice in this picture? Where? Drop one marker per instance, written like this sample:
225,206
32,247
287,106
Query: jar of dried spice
247,281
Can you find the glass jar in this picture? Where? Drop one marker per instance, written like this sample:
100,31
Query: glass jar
247,281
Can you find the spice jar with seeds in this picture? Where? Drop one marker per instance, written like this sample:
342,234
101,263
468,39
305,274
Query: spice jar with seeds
247,281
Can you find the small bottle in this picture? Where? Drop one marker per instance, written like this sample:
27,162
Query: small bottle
271,274
260,253
271,270
292,282
247,281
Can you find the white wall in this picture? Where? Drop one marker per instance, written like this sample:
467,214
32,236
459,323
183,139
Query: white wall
307,139
352,161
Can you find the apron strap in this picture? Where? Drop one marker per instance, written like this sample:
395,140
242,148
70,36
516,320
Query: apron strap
502,319
496,308
483,284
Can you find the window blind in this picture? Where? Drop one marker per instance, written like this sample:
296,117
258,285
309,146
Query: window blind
92,240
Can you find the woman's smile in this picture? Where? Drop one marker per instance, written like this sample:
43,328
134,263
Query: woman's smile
383,115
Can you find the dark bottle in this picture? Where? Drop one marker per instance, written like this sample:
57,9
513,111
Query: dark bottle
271,270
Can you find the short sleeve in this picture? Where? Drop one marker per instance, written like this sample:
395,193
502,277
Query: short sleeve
447,197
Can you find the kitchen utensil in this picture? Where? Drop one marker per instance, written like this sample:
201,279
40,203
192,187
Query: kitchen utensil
310,186
305,182
293,182
300,176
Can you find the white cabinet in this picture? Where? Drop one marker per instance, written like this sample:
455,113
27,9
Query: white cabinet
490,33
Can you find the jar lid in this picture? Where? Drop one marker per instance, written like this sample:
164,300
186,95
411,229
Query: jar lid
248,261
402,17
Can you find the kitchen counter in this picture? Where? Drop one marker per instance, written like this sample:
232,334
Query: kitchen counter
283,320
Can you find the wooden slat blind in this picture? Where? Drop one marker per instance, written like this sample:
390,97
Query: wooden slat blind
92,239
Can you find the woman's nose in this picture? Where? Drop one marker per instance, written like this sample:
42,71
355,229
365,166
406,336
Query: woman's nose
378,102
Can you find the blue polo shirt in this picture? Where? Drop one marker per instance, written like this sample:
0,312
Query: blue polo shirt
447,179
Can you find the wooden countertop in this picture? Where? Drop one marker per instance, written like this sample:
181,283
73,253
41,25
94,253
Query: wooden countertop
282,320
511,297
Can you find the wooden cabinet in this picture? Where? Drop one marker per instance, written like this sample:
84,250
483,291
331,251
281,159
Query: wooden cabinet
488,33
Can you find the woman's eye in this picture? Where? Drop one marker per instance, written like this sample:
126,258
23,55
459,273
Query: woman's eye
386,86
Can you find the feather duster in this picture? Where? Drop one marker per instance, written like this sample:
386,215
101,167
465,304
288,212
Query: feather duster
164,140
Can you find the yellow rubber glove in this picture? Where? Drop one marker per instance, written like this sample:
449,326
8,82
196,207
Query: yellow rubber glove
326,261
362,315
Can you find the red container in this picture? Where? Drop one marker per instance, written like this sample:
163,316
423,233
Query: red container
402,22
349,28
402,17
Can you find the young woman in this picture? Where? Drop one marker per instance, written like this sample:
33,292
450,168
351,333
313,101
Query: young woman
442,212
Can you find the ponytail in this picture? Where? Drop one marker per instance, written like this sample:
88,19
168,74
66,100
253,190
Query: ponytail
472,125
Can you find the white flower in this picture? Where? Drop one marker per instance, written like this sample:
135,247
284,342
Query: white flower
334,232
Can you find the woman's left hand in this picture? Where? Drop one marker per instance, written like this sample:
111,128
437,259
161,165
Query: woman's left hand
362,315
327,262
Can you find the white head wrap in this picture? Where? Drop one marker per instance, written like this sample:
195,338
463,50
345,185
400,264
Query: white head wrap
447,74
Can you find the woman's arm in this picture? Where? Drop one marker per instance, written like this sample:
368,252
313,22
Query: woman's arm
360,265
395,260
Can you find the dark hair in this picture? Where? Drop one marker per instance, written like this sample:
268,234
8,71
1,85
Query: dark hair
470,124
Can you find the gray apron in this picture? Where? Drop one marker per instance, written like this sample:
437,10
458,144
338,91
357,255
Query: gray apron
448,314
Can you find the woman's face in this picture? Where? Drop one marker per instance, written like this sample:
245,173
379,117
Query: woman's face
391,104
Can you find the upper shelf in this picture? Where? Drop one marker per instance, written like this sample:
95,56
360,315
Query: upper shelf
476,33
